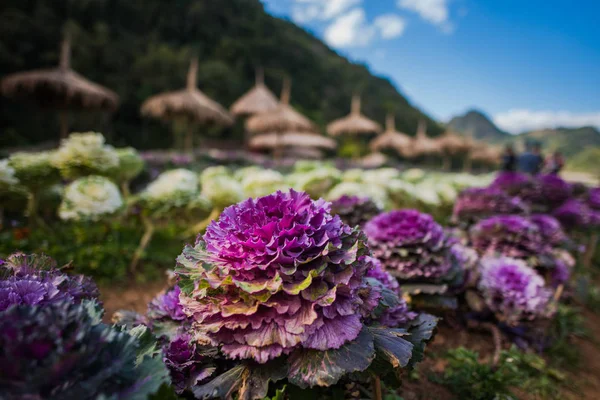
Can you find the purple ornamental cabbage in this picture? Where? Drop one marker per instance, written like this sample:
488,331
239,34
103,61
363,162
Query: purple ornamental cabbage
593,198
411,245
508,235
188,363
515,184
574,215
551,191
550,229
33,279
513,291
355,210
397,313
59,351
476,203
167,306
275,274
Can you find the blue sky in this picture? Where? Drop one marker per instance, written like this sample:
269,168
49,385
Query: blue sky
528,64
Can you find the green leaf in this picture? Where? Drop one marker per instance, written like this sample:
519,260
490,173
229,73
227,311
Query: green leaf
392,345
310,368
147,344
421,331
255,381
223,386
434,302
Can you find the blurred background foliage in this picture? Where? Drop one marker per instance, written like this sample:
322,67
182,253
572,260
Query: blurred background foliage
140,48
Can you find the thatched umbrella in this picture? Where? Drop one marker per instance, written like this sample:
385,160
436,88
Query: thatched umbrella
392,139
60,88
485,154
258,100
355,123
188,104
283,119
292,140
453,144
423,145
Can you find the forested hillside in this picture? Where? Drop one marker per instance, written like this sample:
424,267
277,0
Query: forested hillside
140,48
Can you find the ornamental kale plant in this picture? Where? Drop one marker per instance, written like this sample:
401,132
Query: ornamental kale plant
513,291
34,280
355,210
281,276
550,229
412,246
477,203
60,351
509,235
52,344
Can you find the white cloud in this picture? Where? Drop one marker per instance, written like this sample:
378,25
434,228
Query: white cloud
305,11
390,26
350,30
434,11
521,120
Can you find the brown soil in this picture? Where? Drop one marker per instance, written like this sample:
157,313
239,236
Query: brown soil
583,384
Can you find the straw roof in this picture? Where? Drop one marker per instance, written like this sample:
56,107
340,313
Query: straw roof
59,87
392,139
188,103
355,123
453,143
303,153
291,139
281,119
258,100
486,153
423,145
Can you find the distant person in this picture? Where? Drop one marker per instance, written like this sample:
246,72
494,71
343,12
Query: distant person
509,159
531,162
555,163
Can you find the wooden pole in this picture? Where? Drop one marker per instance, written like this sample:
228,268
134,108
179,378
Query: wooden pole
63,118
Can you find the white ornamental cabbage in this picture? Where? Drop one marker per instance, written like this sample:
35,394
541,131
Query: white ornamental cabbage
262,183
7,175
84,154
90,198
34,170
177,186
222,190
376,193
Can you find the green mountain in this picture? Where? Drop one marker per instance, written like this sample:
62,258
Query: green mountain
478,126
141,48
569,141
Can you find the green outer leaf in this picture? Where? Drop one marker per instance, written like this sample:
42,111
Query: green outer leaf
223,386
148,347
392,345
421,331
310,368
255,382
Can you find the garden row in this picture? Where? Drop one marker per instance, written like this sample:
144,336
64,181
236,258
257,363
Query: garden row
282,295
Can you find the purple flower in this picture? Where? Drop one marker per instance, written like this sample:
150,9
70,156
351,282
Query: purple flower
515,184
188,363
550,192
275,274
512,290
508,235
354,210
476,203
574,214
167,306
32,279
550,229
410,244
593,199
